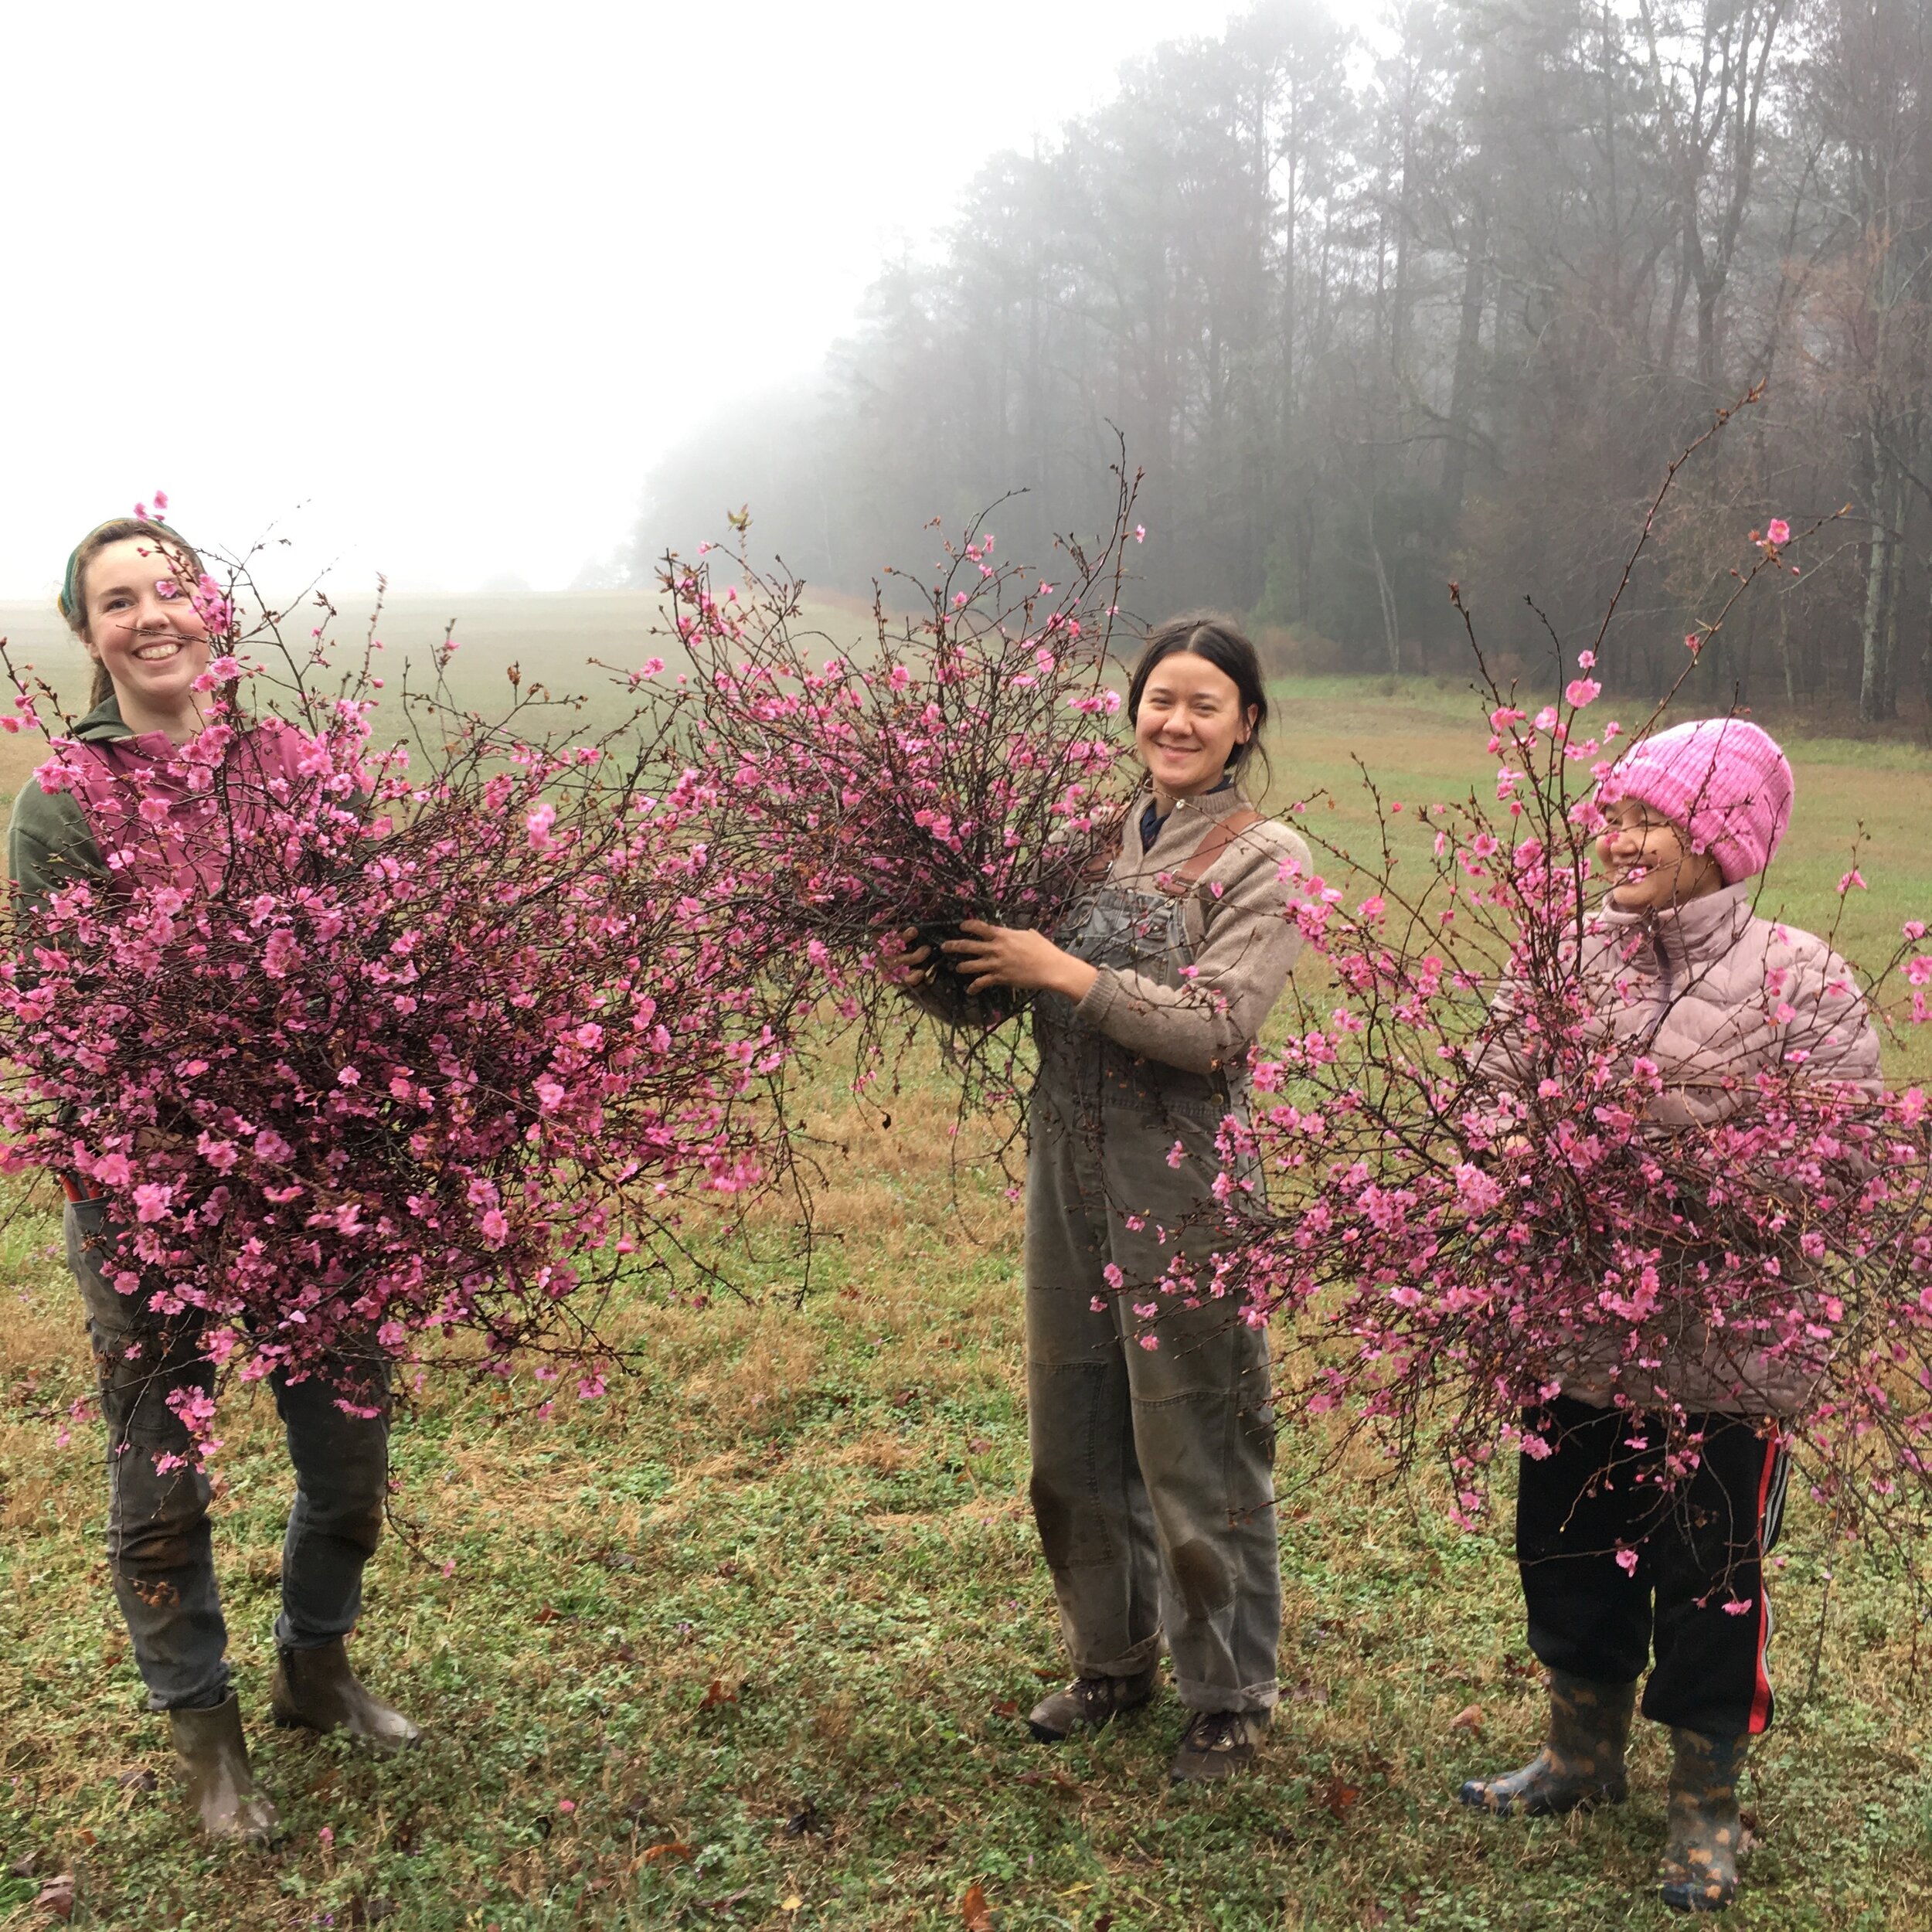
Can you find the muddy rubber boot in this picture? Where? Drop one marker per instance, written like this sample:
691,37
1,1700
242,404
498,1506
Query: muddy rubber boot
1217,1744
1699,1871
317,1690
1581,1763
220,1786
1090,1702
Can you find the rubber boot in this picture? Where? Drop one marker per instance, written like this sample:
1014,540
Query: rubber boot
220,1786
1581,1763
317,1690
1700,1862
1091,1701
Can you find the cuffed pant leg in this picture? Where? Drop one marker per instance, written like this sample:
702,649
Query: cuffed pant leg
342,1485
1204,1429
1089,1502
1588,1614
1203,1413
160,1552
1713,1615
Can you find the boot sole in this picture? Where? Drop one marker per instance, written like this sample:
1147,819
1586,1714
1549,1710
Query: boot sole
1043,1735
1214,1773
372,1747
1473,1796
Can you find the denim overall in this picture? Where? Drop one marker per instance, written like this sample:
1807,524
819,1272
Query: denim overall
1153,1468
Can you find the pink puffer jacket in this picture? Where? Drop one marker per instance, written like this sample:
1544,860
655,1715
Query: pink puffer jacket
1715,996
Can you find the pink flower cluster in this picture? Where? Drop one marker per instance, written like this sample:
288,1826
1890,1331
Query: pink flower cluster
957,764
1468,1189
359,1050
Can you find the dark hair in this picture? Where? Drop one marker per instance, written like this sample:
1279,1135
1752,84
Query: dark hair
1209,634
73,599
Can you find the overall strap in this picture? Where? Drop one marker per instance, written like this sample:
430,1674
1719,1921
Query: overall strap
1221,835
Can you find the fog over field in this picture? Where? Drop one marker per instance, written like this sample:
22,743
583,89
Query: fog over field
429,289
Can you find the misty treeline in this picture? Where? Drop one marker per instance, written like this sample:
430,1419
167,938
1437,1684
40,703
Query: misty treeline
1442,305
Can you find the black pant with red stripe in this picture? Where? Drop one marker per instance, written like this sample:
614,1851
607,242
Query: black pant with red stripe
1690,1580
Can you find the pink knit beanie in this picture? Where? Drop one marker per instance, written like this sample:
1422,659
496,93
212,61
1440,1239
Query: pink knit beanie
1723,779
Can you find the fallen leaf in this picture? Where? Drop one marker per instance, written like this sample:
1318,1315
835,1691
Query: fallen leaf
1030,1777
1104,1923
674,1849
1340,1797
1468,1719
1308,1691
142,1780
1048,1676
719,1695
546,1615
57,1896
973,1910
1006,1707
790,1904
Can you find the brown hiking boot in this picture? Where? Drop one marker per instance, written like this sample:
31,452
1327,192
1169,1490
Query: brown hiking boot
1091,1701
317,1690
1699,1871
1217,1744
1581,1763
220,1786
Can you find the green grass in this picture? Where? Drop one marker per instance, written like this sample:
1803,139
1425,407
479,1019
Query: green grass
821,1512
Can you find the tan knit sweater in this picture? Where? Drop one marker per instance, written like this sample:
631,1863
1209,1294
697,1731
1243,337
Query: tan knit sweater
1240,919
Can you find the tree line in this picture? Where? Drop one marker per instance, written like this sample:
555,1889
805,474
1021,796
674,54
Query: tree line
1443,304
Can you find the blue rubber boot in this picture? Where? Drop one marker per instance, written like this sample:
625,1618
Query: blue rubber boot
1581,1763
1699,1871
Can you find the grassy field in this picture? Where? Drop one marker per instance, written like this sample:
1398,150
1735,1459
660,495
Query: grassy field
748,1643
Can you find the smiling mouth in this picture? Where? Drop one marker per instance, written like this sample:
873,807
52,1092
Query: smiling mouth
158,652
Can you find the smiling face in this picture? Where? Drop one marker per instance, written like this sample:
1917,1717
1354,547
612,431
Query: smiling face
1650,861
1189,721
143,628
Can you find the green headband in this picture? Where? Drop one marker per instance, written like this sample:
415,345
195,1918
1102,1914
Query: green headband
65,602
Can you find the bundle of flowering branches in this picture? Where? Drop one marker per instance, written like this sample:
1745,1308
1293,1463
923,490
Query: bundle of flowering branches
361,1042
955,765
1470,1189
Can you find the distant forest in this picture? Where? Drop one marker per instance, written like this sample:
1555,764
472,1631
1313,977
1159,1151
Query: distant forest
1376,317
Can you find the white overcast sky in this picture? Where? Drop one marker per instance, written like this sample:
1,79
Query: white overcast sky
430,285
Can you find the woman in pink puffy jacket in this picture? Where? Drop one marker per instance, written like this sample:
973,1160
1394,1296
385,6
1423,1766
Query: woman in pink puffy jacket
1688,976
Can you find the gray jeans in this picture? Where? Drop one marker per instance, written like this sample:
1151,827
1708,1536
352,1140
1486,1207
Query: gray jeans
1153,1468
159,1553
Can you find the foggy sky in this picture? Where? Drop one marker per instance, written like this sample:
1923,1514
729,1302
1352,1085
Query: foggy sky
427,287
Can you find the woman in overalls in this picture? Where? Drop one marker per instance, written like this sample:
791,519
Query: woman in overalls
1153,1438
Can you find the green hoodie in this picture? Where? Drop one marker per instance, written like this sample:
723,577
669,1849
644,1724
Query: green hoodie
49,844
